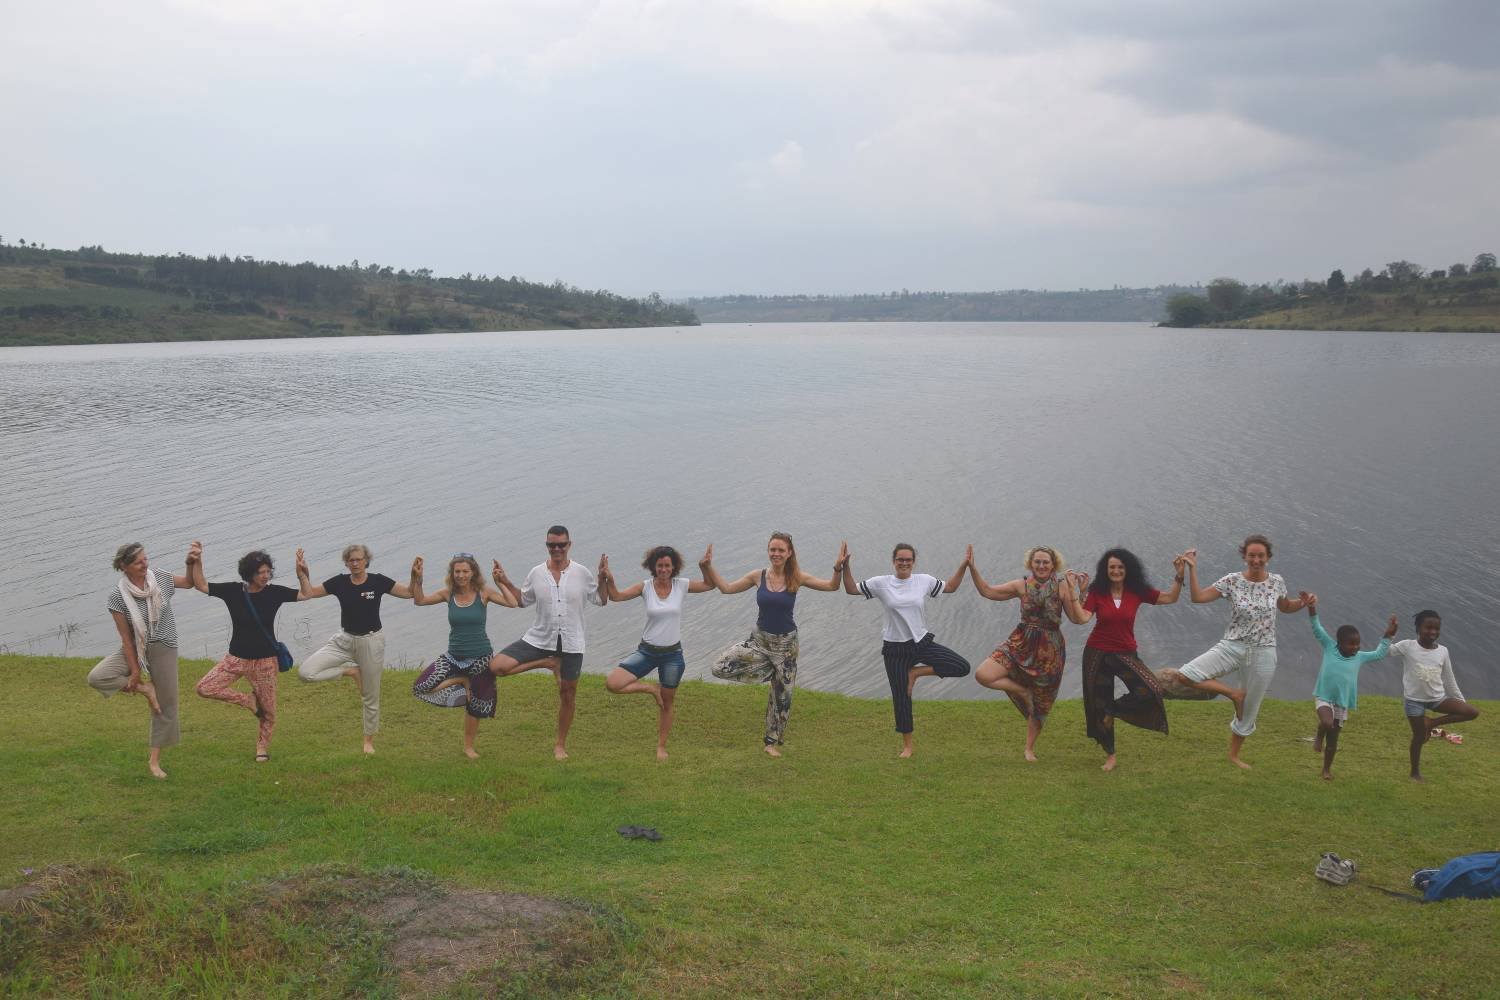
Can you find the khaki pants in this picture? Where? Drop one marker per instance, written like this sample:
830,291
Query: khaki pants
111,673
367,652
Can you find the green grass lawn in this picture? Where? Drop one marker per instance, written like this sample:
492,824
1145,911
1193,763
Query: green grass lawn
838,870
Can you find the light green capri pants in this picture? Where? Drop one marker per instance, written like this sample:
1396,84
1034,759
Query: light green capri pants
367,652
111,673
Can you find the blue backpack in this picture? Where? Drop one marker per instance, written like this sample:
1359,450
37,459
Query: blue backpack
1473,876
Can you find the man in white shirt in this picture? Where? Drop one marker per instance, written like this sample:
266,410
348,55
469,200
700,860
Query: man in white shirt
558,587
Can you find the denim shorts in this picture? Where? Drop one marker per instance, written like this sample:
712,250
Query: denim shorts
1417,709
668,664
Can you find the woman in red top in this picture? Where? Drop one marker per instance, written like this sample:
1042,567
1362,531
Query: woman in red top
1118,591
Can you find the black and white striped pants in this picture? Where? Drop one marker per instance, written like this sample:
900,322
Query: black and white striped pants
900,657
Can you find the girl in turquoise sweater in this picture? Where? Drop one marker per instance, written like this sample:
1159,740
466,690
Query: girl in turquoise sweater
1337,693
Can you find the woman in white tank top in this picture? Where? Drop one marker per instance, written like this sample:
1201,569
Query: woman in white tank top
661,642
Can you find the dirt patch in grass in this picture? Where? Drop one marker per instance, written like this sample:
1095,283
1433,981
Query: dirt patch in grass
437,941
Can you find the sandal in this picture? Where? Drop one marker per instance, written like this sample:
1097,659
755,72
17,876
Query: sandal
262,757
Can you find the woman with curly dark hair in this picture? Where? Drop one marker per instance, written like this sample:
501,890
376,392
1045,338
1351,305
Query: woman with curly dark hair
252,605
661,642
1117,592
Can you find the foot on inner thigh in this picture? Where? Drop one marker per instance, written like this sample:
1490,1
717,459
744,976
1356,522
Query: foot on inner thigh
1109,764
359,681
771,749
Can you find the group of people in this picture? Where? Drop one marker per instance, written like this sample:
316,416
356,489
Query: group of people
1027,666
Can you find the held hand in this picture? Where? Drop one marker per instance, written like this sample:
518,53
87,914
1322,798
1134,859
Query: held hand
1083,582
416,568
1391,629
195,552
969,556
1191,558
498,573
302,570
841,558
1179,564
603,564
708,557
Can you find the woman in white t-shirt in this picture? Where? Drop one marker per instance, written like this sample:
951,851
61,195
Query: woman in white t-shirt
661,642
1429,686
1249,643
908,649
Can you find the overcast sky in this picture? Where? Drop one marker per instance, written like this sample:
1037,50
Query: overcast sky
723,146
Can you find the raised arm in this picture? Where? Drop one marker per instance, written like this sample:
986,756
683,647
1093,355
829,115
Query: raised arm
1072,599
499,594
404,590
1290,606
607,579
705,566
184,580
305,590
600,596
417,597
1205,595
739,586
832,583
199,581
1170,597
1002,592
851,586
958,574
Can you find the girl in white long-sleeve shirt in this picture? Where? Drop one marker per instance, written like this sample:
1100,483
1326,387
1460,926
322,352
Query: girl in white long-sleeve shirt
1429,685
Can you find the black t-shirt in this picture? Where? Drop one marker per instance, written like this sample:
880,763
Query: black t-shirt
247,641
359,606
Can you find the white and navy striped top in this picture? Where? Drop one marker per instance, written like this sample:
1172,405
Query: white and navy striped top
903,601
165,631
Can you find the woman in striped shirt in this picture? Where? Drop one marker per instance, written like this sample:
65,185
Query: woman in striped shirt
141,605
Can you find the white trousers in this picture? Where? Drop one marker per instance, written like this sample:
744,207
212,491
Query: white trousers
1256,664
367,652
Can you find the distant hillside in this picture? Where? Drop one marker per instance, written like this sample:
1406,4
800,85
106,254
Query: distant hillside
1403,296
91,296
1135,305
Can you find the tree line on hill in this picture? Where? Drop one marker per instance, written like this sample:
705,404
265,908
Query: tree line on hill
1228,299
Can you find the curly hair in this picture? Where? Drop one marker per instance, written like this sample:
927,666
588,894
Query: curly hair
251,562
477,582
1057,559
126,554
662,552
1256,540
1135,575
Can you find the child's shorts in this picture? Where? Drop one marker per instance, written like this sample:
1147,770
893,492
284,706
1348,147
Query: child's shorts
1417,709
1340,713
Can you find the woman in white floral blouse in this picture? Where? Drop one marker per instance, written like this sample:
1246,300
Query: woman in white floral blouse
1249,644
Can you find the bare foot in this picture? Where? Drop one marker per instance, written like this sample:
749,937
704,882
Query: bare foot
661,753
559,753
1327,776
1235,760
1030,756
469,753
1109,764
369,745
149,690
771,749
359,681
1238,697
157,772
1419,779
1318,745
905,753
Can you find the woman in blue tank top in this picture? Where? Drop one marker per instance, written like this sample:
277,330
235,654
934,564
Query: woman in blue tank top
770,654
461,676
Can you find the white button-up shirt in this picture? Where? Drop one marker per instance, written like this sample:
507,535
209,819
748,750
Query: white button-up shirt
559,605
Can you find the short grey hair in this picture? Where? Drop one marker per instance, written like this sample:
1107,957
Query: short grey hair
126,554
350,549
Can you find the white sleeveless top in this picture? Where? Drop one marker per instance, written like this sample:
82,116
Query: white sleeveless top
664,617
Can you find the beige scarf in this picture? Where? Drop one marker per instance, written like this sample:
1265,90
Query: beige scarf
151,594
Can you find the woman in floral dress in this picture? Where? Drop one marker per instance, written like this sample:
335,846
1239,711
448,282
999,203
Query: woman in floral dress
1249,643
1028,666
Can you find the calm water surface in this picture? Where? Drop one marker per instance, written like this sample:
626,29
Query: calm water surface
1370,459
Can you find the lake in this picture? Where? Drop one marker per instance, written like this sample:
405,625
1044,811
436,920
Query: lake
1370,459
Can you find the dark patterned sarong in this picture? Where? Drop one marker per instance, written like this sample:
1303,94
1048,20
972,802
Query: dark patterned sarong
477,697
1140,706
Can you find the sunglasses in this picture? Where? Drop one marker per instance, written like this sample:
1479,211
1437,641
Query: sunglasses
463,555
558,545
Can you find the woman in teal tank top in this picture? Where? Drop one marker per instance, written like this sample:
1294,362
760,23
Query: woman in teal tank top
461,676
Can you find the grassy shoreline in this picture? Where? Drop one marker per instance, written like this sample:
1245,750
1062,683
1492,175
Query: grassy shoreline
838,870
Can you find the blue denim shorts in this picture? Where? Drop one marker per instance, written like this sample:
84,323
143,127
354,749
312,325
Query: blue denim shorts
1417,709
669,665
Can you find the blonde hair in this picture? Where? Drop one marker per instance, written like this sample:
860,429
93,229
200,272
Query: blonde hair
478,581
790,570
1057,559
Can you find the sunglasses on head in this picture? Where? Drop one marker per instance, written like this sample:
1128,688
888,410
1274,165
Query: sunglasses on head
463,555
558,545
